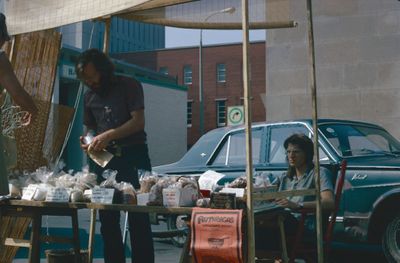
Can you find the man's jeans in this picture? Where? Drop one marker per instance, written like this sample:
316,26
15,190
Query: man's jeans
132,158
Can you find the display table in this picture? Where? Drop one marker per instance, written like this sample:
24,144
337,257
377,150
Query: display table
35,210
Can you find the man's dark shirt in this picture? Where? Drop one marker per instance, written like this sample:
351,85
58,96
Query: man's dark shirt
111,108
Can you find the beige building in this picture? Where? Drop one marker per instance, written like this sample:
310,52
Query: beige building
357,59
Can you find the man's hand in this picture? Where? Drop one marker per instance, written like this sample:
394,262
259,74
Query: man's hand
100,142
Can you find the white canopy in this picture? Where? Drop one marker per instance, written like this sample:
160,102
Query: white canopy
33,15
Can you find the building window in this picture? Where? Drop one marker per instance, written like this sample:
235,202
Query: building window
187,74
221,73
163,70
189,113
221,112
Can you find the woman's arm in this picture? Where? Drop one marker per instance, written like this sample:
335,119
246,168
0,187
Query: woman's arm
9,81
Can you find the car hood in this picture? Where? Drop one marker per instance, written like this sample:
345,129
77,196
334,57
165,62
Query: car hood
177,168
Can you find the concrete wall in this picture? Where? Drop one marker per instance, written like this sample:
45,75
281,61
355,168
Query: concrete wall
165,114
357,58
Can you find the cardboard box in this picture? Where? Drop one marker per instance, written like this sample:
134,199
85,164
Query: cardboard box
223,200
176,197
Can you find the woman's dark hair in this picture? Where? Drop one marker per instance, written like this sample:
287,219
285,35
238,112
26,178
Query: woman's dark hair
3,28
101,62
305,144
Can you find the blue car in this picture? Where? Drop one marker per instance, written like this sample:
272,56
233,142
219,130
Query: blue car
369,210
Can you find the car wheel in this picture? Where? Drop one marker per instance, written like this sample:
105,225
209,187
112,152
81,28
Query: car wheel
177,222
391,240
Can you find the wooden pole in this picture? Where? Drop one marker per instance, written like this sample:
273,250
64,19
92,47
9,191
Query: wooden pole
93,212
248,120
313,86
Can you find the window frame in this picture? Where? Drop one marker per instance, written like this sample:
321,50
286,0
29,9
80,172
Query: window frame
186,78
189,125
163,70
221,73
217,112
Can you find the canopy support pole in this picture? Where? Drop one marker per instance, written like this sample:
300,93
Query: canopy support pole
248,120
93,212
313,86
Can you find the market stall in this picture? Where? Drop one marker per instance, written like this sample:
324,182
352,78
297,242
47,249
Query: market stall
256,14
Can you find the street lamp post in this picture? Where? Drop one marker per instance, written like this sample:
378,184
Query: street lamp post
229,10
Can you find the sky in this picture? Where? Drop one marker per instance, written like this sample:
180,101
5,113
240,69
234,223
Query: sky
177,37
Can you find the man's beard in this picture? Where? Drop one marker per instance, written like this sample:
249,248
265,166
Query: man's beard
104,85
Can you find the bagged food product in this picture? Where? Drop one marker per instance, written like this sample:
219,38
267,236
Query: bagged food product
128,193
110,176
188,182
85,180
147,180
240,182
66,181
156,191
41,192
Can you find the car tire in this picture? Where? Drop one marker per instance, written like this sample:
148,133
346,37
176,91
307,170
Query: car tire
391,240
177,222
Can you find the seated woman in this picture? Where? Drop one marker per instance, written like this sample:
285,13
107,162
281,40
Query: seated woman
300,175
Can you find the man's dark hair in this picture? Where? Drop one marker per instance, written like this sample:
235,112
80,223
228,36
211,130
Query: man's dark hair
3,28
305,144
101,62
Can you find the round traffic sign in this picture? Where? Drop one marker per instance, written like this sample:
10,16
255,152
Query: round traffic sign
235,115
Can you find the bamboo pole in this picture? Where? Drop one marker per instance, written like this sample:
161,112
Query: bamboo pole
313,86
247,110
204,25
93,212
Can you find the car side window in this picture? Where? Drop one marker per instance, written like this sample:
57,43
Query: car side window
233,150
278,135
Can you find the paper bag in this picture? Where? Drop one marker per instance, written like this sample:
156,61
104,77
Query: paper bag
102,158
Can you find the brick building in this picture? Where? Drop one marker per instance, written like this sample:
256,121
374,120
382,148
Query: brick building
222,79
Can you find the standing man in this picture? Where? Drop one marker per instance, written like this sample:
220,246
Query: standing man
114,112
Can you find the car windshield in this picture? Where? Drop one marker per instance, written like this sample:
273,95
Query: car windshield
360,140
